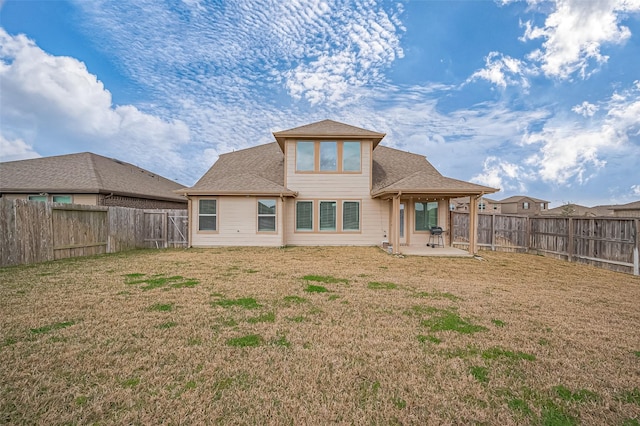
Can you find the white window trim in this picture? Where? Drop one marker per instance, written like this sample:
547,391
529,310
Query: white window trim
274,215
209,231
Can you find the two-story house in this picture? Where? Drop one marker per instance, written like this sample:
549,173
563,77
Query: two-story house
324,183
523,205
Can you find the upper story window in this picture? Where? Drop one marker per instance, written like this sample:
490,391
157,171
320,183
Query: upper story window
351,156
525,205
328,156
305,156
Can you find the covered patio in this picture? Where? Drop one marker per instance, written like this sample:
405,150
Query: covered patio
414,211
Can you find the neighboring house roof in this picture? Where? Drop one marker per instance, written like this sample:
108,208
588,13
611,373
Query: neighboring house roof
571,210
328,129
85,173
465,200
260,170
518,198
399,171
257,170
629,206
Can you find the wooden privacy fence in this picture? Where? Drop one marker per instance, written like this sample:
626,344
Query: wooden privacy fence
33,231
606,242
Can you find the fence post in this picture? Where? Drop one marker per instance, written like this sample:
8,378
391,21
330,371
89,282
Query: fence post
570,245
166,229
493,232
636,249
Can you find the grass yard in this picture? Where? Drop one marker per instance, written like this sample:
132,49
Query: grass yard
318,335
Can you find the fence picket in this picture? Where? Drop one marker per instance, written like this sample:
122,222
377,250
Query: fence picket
606,242
32,231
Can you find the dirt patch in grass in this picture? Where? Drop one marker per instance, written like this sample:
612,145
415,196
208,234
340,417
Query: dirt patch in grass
243,339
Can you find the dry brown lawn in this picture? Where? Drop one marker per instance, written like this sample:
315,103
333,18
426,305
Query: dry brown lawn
232,336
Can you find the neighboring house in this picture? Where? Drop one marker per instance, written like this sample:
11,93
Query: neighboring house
90,179
325,183
627,210
576,210
523,205
485,205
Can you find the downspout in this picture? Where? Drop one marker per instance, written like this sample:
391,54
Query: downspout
283,221
189,217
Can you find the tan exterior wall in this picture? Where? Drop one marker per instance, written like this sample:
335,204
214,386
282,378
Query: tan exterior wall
86,199
237,223
316,187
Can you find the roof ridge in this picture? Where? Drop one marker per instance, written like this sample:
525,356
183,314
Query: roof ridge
94,170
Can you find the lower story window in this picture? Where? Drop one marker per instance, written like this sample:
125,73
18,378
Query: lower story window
328,215
65,199
266,215
207,215
351,216
38,198
426,215
304,216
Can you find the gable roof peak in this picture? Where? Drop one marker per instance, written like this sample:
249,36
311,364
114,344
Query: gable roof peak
328,129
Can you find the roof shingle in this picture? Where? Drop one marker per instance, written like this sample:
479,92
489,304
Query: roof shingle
256,170
85,173
328,129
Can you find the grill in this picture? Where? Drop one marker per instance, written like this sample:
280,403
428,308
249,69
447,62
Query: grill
435,239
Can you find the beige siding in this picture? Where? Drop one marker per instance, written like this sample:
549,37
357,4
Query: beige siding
422,238
374,225
86,199
15,196
237,224
374,214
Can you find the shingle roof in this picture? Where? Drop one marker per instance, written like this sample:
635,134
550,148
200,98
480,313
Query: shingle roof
629,206
395,171
260,170
86,173
328,129
518,198
257,170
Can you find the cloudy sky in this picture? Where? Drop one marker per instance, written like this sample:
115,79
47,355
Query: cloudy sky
534,97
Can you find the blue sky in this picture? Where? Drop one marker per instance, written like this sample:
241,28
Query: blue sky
534,97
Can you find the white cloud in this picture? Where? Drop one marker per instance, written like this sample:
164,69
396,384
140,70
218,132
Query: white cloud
17,149
503,71
635,190
501,174
585,109
316,50
570,151
50,99
574,33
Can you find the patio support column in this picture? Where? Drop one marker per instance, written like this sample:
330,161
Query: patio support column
473,224
395,224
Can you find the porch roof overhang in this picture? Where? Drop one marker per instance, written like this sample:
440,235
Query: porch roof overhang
430,184
428,193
